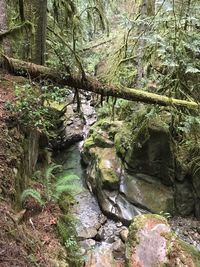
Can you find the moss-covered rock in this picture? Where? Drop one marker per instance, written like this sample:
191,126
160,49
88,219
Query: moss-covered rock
151,243
109,169
147,148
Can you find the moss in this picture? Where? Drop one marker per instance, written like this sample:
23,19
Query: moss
89,142
65,201
123,139
109,178
66,230
191,250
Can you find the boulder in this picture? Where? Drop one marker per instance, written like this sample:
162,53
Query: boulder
109,169
102,257
151,243
117,207
148,149
147,192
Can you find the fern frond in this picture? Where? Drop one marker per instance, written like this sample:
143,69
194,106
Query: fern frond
31,193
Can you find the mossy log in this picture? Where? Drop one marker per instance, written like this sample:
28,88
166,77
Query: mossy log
19,67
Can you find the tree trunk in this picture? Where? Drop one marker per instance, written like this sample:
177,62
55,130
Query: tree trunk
4,27
36,12
92,85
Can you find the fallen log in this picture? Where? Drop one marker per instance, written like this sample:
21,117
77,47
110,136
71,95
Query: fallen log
19,67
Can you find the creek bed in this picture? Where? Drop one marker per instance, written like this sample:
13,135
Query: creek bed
96,233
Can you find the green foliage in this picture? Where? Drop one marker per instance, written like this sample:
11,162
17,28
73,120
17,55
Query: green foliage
48,179
167,215
68,184
31,193
67,232
33,106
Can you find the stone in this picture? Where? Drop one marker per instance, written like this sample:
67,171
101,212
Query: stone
196,183
100,235
87,244
124,235
151,243
184,198
108,168
146,192
117,207
86,233
118,249
149,150
101,257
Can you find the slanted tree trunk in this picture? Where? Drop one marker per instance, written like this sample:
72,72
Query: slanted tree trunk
4,27
92,85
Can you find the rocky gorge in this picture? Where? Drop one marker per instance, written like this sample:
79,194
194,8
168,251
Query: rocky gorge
129,176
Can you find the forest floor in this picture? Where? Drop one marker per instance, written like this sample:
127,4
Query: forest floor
30,241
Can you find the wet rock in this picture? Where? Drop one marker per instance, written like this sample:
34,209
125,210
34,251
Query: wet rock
73,128
102,257
100,235
87,244
141,189
118,249
117,207
86,233
124,234
148,244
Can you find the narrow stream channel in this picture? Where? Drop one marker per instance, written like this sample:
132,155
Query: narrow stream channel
97,234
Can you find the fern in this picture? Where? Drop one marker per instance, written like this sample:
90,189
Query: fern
68,184
49,171
31,193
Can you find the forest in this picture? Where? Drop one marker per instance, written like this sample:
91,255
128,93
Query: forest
100,133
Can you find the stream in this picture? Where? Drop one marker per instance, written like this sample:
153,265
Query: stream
100,239
98,236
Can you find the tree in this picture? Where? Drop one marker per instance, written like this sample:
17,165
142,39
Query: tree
36,12
4,26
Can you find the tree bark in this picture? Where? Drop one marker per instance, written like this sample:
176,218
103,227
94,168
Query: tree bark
19,67
4,27
36,12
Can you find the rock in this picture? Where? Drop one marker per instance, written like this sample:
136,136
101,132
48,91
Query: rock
141,189
87,244
148,150
86,233
117,207
124,235
100,235
184,198
119,224
72,131
118,249
108,169
196,183
101,258
151,243
197,208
